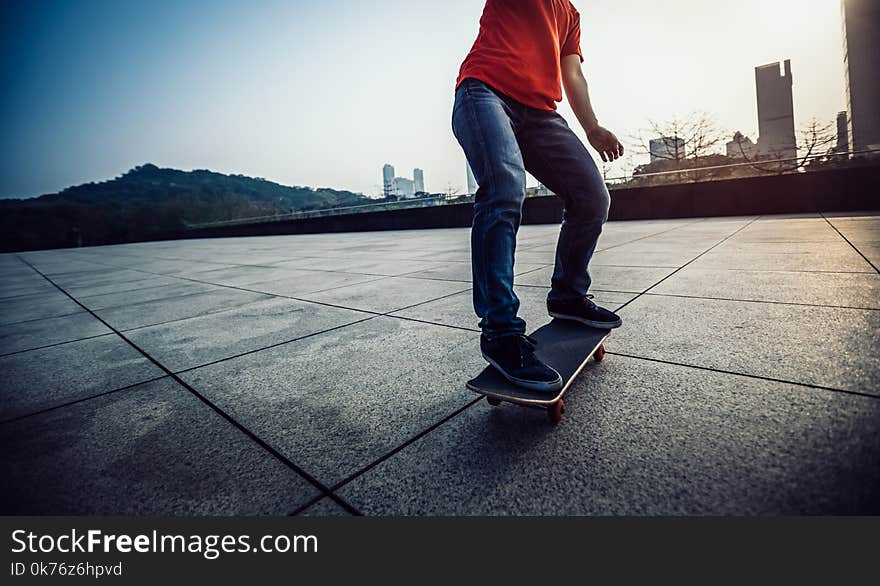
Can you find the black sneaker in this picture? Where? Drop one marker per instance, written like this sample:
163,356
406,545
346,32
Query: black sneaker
514,357
584,311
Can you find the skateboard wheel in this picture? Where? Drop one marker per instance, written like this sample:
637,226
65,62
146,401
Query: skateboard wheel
493,401
600,353
555,411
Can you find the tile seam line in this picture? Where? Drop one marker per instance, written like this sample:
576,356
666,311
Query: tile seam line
82,400
398,448
717,244
524,249
747,375
33,319
793,303
56,344
850,243
373,316
691,223
239,265
276,295
235,423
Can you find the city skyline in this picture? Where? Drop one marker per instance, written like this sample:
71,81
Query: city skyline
196,100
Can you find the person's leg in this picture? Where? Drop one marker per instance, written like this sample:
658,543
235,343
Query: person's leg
484,122
559,160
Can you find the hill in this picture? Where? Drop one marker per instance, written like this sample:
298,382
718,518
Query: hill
148,203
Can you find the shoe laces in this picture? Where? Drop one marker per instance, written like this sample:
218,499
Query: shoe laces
588,300
526,345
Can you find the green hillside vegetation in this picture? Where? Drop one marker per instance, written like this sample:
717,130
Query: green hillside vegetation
148,203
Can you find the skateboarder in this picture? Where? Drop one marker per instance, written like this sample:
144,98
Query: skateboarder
505,119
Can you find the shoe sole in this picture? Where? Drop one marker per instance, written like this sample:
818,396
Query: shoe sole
526,384
604,325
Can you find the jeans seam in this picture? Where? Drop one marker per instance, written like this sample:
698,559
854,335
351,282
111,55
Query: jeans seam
491,180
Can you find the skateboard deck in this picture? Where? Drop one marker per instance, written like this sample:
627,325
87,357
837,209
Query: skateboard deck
563,344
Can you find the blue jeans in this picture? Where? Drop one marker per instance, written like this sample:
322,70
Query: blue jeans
502,139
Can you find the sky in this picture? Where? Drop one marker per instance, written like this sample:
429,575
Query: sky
325,93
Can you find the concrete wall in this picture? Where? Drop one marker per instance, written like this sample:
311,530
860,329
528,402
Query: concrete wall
833,190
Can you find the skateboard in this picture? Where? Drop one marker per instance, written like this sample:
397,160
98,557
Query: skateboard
563,344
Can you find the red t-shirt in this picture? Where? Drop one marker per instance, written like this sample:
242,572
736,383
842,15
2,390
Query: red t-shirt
519,47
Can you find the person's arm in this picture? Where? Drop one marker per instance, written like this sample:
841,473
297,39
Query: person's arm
575,84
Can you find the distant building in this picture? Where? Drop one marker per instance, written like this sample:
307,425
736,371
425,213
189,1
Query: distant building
666,148
388,180
404,187
776,137
842,133
471,182
861,60
742,147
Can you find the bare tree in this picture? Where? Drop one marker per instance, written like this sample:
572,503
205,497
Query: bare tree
815,139
451,191
686,136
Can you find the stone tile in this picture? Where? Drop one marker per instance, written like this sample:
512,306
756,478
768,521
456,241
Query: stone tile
207,338
25,287
39,306
646,255
146,294
547,257
834,217
461,271
138,315
787,256
861,230
623,279
93,290
364,263
337,401
49,377
52,330
154,449
387,295
817,345
833,289
301,282
241,276
642,438
56,263
102,276
816,230
871,252
458,310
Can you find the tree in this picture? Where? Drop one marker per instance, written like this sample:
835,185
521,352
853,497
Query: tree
686,136
451,191
816,139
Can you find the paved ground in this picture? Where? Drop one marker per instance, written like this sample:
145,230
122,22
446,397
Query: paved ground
259,375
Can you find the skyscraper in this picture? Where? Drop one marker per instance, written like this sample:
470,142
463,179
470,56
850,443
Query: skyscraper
388,180
861,60
419,180
404,187
666,148
776,137
842,133
471,182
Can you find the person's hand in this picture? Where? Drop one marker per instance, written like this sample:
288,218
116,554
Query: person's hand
604,141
